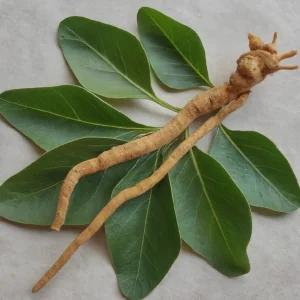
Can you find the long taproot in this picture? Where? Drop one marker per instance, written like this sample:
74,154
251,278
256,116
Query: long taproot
252,68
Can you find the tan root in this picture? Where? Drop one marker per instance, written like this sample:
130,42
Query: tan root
252,68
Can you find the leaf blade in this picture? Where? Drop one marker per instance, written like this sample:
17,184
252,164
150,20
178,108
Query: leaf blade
31,196
258,168
100,54
213,216
175,51
53,116
142,261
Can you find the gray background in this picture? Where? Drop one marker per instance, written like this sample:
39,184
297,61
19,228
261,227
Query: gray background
29,57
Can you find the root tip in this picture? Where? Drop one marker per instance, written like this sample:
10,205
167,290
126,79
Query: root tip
35,289
58,222
56,227
275,36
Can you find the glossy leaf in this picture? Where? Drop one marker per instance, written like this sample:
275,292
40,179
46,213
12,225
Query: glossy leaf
31,196
142,235
175,51
213,216
259,169
105,59
53,116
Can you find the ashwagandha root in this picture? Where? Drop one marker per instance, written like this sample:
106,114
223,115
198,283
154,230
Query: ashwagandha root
140,188
252,68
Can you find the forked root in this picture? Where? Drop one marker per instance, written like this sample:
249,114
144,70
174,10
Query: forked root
252,68
286,55
140,188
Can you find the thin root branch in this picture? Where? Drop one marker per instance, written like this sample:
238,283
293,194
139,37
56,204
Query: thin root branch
274,38
286,55
295,67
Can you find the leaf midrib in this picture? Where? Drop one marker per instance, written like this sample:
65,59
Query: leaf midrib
182,55
111,64
210,205
79,120
253,166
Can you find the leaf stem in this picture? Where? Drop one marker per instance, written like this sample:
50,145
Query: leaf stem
210,84
166,105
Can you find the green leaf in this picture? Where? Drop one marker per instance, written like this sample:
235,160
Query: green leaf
175,51
143,237
259,169
56,115
105,59
31,196
213,216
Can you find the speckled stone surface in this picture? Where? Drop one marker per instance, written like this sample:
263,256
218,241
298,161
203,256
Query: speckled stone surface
30,56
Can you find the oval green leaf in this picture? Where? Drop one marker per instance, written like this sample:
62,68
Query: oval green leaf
259,169
53,116
105,59
213,216
175,51
143,237
31,196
